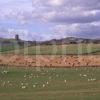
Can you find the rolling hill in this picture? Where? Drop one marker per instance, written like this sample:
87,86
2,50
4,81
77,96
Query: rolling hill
70,45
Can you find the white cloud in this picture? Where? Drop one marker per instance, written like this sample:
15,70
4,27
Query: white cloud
56,2
24,34
66,28
71,17
87,30
62,11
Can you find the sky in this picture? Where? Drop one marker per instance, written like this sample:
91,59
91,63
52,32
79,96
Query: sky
49,19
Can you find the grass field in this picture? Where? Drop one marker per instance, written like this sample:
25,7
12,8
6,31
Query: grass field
49,84
57,49
9,48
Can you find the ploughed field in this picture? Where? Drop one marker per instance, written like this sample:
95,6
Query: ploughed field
51,61
49,83
52,49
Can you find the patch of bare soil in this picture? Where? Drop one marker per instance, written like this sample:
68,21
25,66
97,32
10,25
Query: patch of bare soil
51,61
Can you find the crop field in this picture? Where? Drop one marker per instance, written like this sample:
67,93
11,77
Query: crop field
49,83
9,48
56,49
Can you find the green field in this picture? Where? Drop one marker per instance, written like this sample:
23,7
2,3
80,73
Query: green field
55,49
49,84
9,48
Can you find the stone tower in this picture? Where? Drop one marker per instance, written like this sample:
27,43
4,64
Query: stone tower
17,37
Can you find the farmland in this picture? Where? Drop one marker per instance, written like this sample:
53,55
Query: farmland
71,49
49,83
28,82
9,48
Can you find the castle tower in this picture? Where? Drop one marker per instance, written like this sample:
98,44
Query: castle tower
17,37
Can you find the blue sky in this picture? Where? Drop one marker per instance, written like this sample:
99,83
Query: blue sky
48,19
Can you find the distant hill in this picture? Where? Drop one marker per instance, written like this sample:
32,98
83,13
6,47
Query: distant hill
68,40
70,46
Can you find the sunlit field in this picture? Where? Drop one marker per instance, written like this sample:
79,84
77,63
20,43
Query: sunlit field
49,84
54,49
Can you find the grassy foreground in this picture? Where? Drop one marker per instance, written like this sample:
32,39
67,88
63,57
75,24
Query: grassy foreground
49,84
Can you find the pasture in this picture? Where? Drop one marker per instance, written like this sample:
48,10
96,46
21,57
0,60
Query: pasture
8,48
49,83
71,49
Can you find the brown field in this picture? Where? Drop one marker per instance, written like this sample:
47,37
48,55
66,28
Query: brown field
50,61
